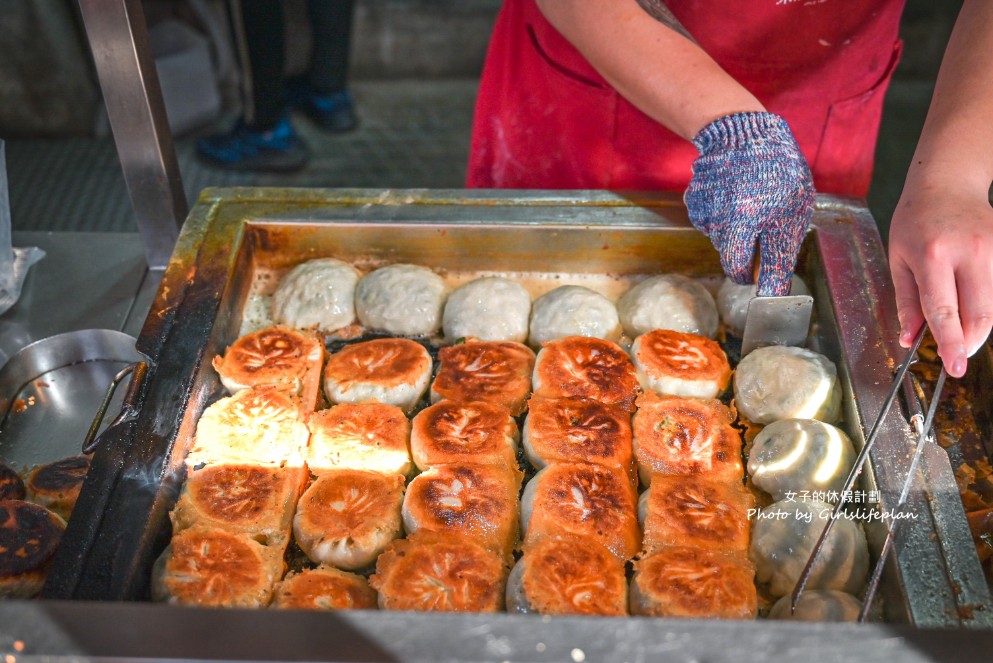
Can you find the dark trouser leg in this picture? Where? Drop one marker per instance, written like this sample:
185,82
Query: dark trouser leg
332,25
262,52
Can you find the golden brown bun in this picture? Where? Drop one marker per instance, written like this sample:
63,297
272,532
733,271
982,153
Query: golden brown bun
29,536
359,436
578,430
584,367
11,485
676,436
492,371
324,588
252,500
567,575
479,502
260,426
696,511
672,362
590,501
683,581
215,568
436,573
464,432
278,356
347,517
395,371
57,484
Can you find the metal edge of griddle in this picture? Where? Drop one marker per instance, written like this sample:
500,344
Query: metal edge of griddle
934,563
98,553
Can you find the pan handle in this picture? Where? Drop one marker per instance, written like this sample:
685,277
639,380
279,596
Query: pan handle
129,408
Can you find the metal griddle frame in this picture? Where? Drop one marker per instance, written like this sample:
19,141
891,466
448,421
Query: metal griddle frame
121,521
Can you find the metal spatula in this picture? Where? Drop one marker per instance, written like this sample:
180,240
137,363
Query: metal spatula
777,321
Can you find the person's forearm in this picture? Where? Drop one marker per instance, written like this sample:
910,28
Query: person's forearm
661,72
956,143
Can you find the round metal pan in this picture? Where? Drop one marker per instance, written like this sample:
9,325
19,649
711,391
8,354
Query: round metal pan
51,389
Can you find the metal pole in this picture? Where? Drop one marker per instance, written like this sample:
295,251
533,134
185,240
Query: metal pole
118,38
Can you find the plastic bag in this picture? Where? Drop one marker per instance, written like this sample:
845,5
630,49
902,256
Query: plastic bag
14,262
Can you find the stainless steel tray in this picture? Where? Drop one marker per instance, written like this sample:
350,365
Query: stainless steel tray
51,389
933,580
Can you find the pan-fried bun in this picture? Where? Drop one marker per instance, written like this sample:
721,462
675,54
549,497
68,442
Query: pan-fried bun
317,294
573,310
567,575
473,501
668,301
347,517
684,581
782,382
671,362
492,371
11,485
580,367
577,430
405,300
490,309
457,432
324,588
257,501
277,356
261,426
395,371
695,511
359,436
443,574
57,485
29,536
589,501
675,435
215,568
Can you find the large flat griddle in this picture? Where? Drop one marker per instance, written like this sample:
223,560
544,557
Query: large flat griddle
121,520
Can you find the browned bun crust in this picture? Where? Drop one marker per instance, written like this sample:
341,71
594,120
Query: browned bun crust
278,356
359,436
569,575
29,536
212,567
491,371
57,485
585,367
586,500
474,501
11,485
579,430
683,581
324,588
668,353
676,435
436,573
346,517
464,432
696,511
387,362
260,425
255,500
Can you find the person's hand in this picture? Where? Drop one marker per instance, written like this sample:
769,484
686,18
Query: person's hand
941,259
751,185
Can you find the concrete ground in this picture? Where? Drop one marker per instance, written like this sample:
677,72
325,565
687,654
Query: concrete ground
413,133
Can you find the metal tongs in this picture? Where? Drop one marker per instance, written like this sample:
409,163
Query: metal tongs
923,435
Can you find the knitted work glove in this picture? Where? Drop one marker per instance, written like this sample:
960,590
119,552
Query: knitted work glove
751,185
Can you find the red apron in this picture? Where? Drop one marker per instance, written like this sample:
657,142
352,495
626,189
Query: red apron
546,119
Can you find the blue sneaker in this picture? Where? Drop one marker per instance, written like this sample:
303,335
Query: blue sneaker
333,112
279,149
